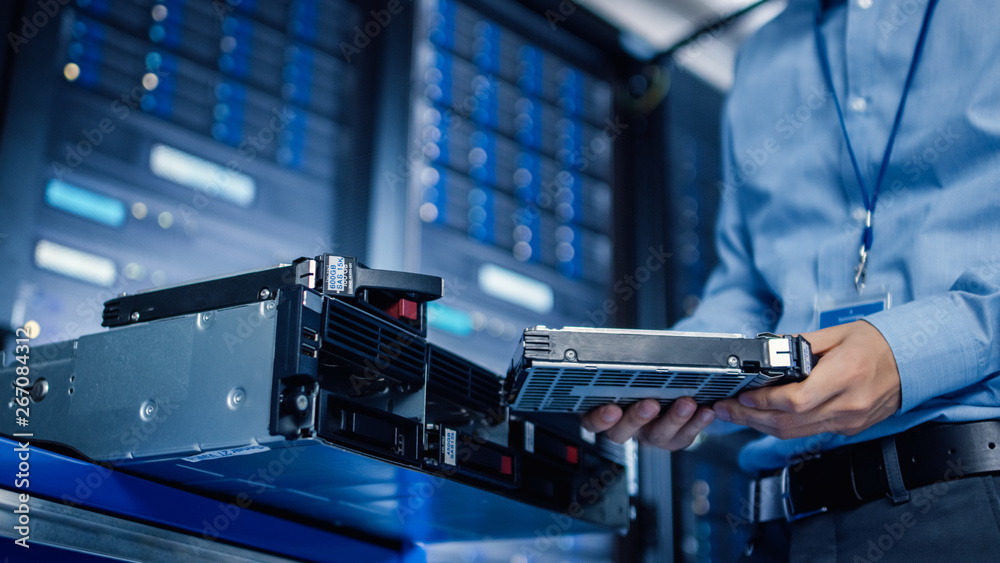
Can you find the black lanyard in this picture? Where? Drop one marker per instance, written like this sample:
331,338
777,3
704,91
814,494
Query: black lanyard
867,236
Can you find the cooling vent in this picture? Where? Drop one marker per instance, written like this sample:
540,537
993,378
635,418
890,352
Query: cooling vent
373,345
538,345
112,310
462,381
551,387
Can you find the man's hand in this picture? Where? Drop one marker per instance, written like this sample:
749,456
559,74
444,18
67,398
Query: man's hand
674,430
853,386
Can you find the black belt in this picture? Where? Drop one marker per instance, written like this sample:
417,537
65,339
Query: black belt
850,476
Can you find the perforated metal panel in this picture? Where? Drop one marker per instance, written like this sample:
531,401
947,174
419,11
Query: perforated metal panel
555,386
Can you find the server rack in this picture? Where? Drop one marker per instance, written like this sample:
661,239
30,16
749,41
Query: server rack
506,176
148,143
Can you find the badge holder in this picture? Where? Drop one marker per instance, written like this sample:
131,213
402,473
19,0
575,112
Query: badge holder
833,310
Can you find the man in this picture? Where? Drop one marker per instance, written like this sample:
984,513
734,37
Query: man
862,177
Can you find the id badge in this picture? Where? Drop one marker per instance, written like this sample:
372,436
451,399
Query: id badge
848,308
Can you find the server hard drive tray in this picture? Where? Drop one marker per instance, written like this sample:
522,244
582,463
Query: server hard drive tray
576,369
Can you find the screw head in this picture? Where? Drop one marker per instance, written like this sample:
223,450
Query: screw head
236,398
571,355
302,402
206,317
270,305
148,410
40,389
264,293
733,361
134,316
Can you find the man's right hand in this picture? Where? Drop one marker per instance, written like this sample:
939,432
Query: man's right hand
673,431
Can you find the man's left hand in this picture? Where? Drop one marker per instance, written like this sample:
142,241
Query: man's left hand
854,385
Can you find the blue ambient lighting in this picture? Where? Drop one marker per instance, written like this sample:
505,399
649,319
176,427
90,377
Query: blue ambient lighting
516,288
85,203
449,319
74,263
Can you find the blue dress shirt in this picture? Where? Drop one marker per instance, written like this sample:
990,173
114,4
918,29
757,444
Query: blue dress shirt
791,214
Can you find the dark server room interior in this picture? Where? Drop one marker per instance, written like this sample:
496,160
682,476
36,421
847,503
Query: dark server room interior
552,162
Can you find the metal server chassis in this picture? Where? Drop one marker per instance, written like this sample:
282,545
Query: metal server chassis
203,401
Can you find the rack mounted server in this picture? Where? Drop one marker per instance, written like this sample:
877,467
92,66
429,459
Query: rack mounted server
310,390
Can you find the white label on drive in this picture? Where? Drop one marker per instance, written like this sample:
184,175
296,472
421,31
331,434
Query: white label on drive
219,454
449,446
336,274
529,437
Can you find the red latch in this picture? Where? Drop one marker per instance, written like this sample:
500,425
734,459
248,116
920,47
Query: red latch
403,309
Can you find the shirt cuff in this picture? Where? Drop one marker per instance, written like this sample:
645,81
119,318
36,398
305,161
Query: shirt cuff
934,349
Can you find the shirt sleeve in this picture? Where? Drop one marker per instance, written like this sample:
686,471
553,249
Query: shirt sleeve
735,298
946,342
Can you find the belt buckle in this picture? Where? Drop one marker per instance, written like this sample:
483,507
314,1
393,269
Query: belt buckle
766,499
786,496
786,499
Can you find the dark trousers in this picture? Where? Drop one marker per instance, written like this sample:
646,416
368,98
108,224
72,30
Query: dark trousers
954,521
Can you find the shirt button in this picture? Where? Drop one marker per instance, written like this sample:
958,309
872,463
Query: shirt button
858,104
865,4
